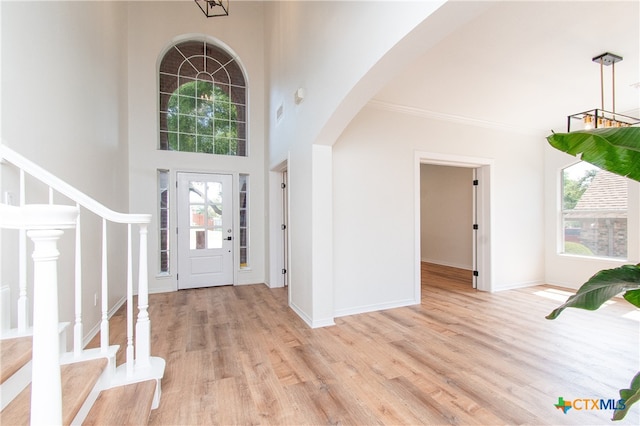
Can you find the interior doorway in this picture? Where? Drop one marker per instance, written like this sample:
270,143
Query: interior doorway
279,258
285,229
479,228
447,219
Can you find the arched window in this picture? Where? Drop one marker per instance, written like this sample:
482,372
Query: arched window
202,100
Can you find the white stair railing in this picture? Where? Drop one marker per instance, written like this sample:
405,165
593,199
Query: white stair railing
85,204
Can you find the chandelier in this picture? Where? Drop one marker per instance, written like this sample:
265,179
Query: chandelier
599,117
212,8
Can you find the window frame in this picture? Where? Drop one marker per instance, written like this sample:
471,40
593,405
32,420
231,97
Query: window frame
195,60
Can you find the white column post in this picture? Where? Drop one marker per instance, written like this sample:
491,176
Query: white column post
46,391
143,325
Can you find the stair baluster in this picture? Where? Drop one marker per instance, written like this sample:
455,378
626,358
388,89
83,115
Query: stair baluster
77,326
23,300
104,324
143,326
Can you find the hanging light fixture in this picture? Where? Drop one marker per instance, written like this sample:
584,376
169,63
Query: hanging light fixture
599,117
212,8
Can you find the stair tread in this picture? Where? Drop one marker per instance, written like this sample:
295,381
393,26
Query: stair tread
123,405
14,354
77,379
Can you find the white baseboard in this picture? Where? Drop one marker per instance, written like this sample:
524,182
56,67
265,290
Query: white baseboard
513,286
376,307
450,264
96,328
326,322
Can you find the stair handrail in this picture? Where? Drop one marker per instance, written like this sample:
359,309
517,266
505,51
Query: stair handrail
69,191
143,335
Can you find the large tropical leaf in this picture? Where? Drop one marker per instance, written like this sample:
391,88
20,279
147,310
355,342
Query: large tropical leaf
614,149
633,297
629,396
601,287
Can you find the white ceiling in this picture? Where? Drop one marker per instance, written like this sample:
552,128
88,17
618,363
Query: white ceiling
526,64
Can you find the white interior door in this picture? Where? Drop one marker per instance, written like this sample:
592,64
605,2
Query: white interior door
205,230
285,230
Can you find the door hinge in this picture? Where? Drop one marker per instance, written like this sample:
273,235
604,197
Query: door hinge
283,185
284,271
476,273
177,277
475,226
475,182
283,226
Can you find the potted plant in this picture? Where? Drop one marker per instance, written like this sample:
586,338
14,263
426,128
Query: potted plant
616,150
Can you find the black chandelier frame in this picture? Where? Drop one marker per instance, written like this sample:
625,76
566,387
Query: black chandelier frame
212,8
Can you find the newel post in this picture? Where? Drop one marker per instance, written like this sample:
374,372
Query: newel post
46,391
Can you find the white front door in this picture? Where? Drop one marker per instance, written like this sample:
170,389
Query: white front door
205,230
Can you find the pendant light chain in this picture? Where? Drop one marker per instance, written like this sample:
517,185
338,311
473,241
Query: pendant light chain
613,89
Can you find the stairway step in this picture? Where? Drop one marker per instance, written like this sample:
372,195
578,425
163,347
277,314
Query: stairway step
78,380
123,405
14,354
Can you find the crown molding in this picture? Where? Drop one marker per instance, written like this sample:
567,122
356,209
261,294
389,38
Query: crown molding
452,118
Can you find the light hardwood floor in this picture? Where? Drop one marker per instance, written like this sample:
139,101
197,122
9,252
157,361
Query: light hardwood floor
239,355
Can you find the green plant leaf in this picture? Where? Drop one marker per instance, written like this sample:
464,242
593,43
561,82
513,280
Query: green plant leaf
601,287
633,297
630,397
613,149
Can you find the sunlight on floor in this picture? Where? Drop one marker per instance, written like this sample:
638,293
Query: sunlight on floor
554,294
561,296
633,315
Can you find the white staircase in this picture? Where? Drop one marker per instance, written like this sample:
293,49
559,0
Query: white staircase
51,368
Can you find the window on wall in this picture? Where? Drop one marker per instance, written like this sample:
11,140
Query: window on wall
244,221
202,100
594,212
163,215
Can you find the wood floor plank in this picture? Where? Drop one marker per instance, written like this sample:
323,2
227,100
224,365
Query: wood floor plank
123,405
14,354
240,355
77,381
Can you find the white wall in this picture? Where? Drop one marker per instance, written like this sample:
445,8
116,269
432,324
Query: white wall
64,107
374,190
152,29
572,271
446,207
308,46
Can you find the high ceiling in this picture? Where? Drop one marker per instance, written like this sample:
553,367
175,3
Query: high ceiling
526,65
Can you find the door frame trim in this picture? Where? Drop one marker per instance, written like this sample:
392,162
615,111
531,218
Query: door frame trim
484,203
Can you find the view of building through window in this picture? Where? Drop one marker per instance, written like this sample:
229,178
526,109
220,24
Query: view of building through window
594,212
